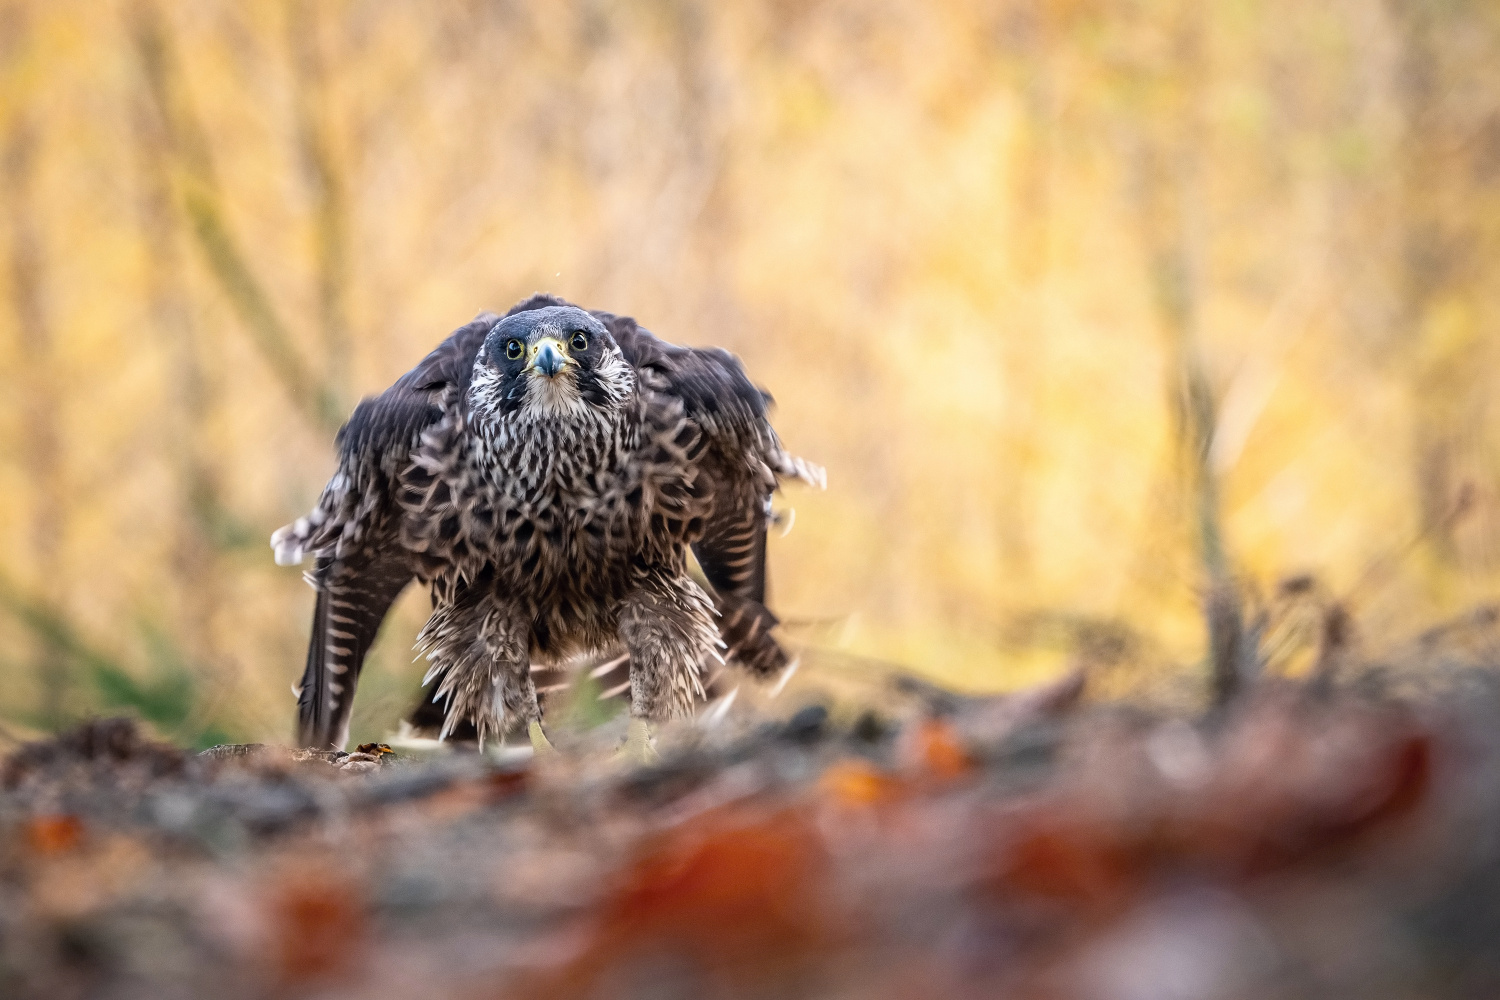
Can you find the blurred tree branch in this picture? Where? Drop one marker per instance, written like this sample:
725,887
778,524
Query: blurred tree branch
204,208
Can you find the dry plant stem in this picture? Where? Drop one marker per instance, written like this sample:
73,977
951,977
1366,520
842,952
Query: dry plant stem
1172,215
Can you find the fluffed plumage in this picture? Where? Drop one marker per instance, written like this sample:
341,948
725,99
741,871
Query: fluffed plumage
545,474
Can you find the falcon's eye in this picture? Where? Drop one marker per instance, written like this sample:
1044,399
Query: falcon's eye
580,341
514,349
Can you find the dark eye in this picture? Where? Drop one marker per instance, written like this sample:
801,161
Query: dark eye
514,349
580,341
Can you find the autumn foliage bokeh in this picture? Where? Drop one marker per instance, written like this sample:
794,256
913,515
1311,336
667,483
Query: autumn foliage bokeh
1088,308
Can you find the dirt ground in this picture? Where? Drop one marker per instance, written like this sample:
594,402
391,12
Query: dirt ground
1304,844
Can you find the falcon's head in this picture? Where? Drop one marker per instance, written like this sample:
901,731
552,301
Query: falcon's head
556,362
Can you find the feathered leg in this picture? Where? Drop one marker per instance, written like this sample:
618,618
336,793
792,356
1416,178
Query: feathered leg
669,630
478,647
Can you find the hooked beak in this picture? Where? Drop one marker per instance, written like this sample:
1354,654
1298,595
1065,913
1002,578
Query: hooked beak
548,357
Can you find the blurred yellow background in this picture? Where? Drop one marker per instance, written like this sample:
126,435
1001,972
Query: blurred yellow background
1087,307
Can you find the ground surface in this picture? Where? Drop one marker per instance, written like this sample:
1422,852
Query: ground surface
1343,845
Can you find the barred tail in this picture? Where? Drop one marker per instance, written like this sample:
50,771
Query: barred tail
352,602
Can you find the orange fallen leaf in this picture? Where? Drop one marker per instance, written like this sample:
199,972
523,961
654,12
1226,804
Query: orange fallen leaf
934,749
858,783
54,834
734,899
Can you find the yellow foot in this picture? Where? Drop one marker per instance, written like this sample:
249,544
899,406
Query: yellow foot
539,742
638,748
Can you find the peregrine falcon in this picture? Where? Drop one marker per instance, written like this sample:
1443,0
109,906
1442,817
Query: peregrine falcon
544,474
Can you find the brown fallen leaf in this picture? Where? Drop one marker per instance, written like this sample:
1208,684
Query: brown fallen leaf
318,923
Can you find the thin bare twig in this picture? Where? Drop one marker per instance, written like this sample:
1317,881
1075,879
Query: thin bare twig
1172,221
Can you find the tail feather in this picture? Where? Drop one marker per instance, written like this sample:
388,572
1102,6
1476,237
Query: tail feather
315,707
352,602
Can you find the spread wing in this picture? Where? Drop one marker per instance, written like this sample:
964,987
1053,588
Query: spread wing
352,533
746,463
743,453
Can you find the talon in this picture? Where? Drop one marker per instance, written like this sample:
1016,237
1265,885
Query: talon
638,748
539,742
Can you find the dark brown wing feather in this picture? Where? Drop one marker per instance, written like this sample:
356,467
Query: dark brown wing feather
382,430
360,568
719,396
